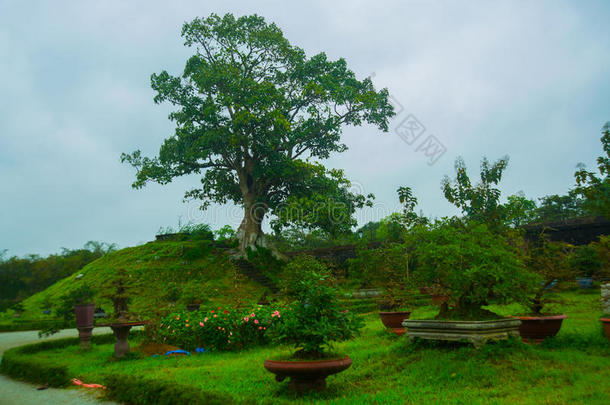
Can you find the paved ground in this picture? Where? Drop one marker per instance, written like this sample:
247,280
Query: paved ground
19,393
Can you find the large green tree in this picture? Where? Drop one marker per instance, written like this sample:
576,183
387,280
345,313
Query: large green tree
254,116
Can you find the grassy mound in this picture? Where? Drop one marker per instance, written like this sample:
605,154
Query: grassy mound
157,269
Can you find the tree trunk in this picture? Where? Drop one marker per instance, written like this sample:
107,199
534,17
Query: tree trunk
250,233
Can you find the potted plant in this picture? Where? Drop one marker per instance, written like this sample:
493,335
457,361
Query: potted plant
586,263
311,323
474,267
387,269
551,261
119,290
76,305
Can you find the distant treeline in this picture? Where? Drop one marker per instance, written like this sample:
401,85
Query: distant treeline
20,277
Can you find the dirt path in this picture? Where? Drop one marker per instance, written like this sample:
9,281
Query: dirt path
18,393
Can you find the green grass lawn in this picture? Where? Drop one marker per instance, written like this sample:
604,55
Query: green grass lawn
571,368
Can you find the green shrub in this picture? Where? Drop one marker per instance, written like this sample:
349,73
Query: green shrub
147,391
314,319
586,261
33,370
19,363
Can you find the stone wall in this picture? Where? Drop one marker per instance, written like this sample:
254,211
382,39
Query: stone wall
606,299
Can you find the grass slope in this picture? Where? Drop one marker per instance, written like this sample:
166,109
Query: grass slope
154,267
571,368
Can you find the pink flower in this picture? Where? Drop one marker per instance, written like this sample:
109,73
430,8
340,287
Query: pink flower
260,328
201,324
246,319
256,321
219,328
215,316
205,319
252,315
168,326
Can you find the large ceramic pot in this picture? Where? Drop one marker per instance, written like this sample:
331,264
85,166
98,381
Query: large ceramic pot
307,376
84,323
538,328
606,326
84,315
393,320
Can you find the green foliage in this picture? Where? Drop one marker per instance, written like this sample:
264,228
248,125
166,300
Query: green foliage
551,261
120,289
225,233
218,329
519,210
472,265
560,207
64,311
603,252
386,268
480,202
314,319
251,110
596,188
586,261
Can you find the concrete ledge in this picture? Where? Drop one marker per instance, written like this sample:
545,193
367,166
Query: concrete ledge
475,332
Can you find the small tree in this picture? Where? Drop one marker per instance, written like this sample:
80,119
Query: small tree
551,261
472,266
314,319
560,207
253,113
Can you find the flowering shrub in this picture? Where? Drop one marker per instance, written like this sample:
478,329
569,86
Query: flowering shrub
218,329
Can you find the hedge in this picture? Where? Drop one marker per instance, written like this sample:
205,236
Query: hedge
29,368
138,390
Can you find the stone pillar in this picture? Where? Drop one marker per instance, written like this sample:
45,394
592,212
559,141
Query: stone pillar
605,299
84,334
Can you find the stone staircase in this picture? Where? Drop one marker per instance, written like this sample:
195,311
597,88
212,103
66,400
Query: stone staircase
254,274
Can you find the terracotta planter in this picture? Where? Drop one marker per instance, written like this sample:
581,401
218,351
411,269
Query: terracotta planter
606,326
307,376
538,328
438,299
393,320
84,315
84,323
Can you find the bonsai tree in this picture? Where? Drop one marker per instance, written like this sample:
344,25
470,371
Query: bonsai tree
551,261
314,319
119,290
386,268
473,267
253,114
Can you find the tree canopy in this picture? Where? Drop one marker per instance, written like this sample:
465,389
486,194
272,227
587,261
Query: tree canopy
254,114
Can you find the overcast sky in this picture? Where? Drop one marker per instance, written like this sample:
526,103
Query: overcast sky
523,78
